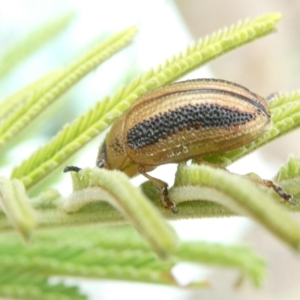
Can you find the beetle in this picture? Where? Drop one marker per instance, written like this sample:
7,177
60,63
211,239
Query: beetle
181,121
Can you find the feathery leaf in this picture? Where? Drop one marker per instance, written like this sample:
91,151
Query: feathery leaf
18,283
238,194
116,253
250,265
10,104
18,52
96,184
41,98
14,203
289,178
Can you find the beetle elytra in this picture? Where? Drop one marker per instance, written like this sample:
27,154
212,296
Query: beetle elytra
181,121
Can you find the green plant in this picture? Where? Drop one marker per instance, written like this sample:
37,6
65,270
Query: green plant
68,247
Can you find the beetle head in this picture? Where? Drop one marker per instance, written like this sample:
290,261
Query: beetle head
112,154
109,159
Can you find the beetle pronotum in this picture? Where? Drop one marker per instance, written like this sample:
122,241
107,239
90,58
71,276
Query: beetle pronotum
182,121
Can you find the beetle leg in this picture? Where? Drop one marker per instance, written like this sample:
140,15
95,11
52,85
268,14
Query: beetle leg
278,189
166,202
264,182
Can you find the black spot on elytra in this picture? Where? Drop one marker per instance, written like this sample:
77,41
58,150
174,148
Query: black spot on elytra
193,117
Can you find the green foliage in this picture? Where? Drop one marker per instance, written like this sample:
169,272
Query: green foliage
105,197
15,204
128,199
37,100
238,194
289,177
116,253
21,284
30,44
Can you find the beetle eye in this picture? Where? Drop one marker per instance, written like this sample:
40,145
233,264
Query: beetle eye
101,160
100,163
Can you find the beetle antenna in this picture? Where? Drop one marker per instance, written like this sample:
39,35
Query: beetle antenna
71,169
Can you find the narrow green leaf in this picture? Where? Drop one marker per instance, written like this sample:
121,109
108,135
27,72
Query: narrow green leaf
290,170
10,104
115,188
38,101
117,253
238,194
102,253
289,178
15,204
248,263
23,285
20,51
89,125
49,213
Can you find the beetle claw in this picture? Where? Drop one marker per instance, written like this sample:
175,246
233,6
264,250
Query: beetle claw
164,197
166,202
278,189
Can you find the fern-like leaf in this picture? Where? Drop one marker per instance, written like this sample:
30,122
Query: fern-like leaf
41,98
96,184
116,253
18,283
18,52
14,102
289,178
250,265
14,203
238,194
